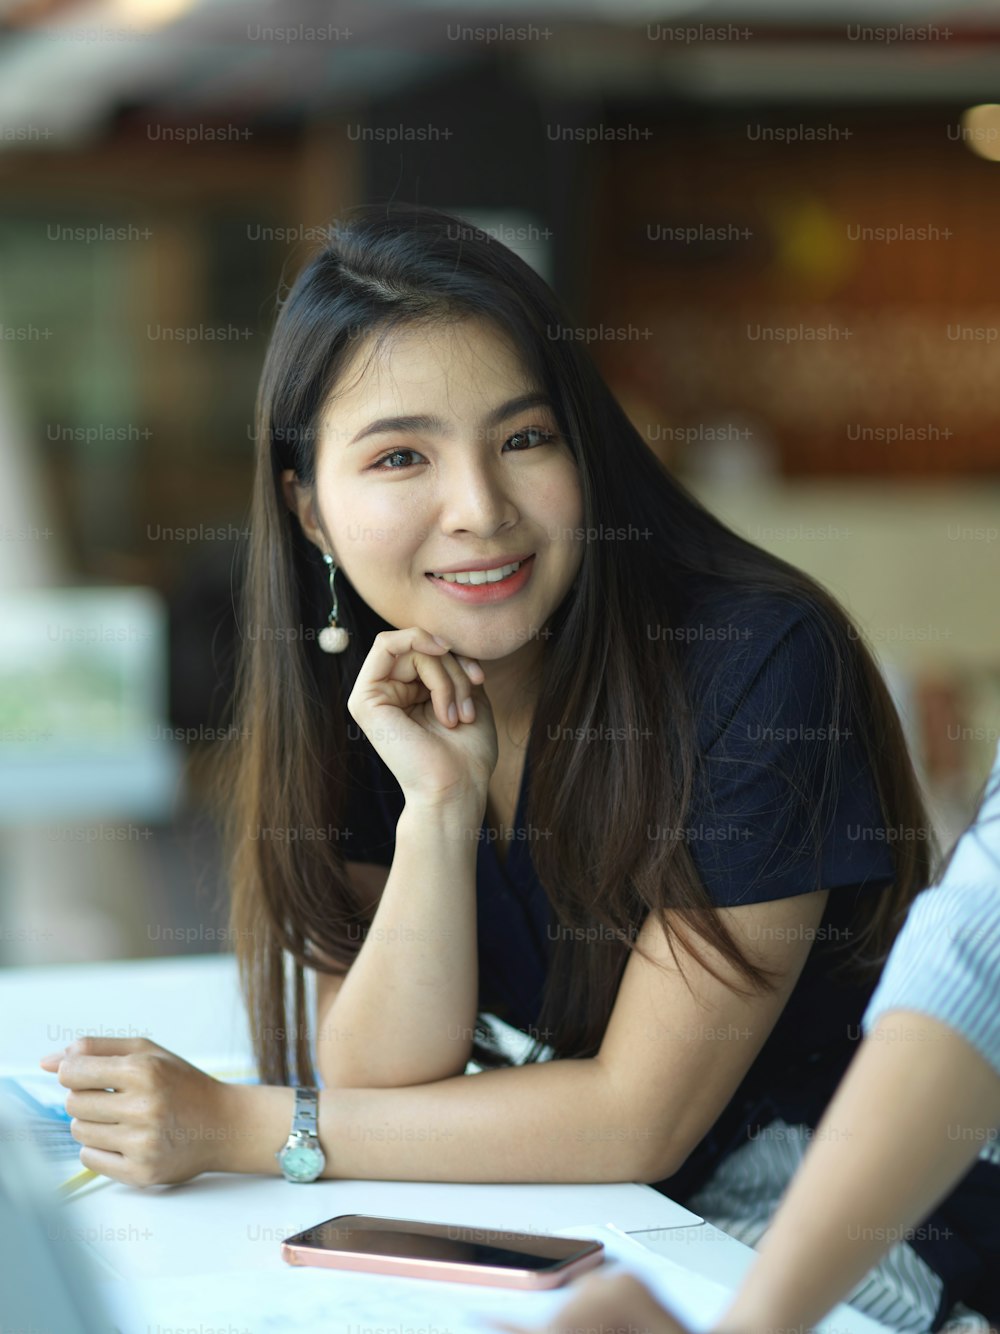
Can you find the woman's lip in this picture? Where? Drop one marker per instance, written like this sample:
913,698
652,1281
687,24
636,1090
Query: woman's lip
478,566
478,594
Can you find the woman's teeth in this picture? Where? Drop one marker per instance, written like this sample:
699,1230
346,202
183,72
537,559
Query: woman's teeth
480,576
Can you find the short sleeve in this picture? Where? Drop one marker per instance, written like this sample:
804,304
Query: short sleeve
780,775
946,960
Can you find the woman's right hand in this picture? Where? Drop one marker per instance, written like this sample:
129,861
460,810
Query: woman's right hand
401,702
605,1302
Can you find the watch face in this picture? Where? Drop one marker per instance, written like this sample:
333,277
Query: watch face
301,1163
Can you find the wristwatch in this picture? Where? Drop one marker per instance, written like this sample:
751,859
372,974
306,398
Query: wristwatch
302,1159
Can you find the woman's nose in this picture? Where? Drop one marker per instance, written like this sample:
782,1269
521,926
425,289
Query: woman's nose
475,498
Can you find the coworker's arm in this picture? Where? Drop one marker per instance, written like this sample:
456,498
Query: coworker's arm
911,1115
909,1119
405,1011
676,1048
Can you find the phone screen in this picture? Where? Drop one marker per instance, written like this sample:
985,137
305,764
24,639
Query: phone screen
364,1235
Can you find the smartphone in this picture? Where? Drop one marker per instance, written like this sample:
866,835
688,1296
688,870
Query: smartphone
442,1251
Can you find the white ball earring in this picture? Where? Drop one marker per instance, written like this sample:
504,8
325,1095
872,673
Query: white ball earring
333,637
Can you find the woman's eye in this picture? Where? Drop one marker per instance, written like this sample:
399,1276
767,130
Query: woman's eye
544,436
396,453
541,435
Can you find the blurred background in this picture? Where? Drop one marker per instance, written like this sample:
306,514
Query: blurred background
776,221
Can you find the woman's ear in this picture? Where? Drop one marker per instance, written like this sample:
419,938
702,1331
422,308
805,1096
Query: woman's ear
301,500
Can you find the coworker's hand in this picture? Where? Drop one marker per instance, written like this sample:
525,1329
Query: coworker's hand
159,1123
607,1304
400,701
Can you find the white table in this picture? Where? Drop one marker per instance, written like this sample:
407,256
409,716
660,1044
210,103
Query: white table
192,1006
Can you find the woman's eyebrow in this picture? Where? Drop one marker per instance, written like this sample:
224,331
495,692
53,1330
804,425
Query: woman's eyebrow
411,425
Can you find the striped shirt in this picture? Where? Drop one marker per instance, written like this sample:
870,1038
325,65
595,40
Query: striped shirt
946,960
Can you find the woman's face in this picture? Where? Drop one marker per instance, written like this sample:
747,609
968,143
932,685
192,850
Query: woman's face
426,462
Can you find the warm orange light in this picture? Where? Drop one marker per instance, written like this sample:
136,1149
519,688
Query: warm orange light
150,13
981,130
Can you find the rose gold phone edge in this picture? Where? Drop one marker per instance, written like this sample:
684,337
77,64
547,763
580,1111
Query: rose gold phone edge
446,1270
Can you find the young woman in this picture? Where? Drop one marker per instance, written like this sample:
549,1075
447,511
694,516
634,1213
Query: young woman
918,1111
713,824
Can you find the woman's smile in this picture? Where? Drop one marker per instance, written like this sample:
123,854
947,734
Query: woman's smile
475,588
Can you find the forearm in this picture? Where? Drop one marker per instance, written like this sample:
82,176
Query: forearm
915,1108
406,1011
555,1121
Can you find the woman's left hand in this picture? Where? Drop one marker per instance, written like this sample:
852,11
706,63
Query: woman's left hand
607,1302
142,1115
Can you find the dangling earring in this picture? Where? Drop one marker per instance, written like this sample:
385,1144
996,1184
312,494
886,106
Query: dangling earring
332,638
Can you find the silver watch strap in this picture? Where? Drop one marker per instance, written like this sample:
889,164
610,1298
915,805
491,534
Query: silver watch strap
306,1119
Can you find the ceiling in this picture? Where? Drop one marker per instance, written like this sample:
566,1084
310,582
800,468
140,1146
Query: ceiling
67,66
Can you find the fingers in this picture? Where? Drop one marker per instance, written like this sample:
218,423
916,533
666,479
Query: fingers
460,704
439,676
109,1046
392,650
94,1072
97,1135
614,1298
472,669
99,1064
464,674
414,656
89,1046
106,1164
94,1105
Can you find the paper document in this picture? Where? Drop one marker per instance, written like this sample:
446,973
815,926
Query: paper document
295,1299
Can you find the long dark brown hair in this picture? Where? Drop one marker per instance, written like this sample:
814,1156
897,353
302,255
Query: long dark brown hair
388,266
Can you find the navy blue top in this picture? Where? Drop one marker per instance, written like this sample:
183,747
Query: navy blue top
760,679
